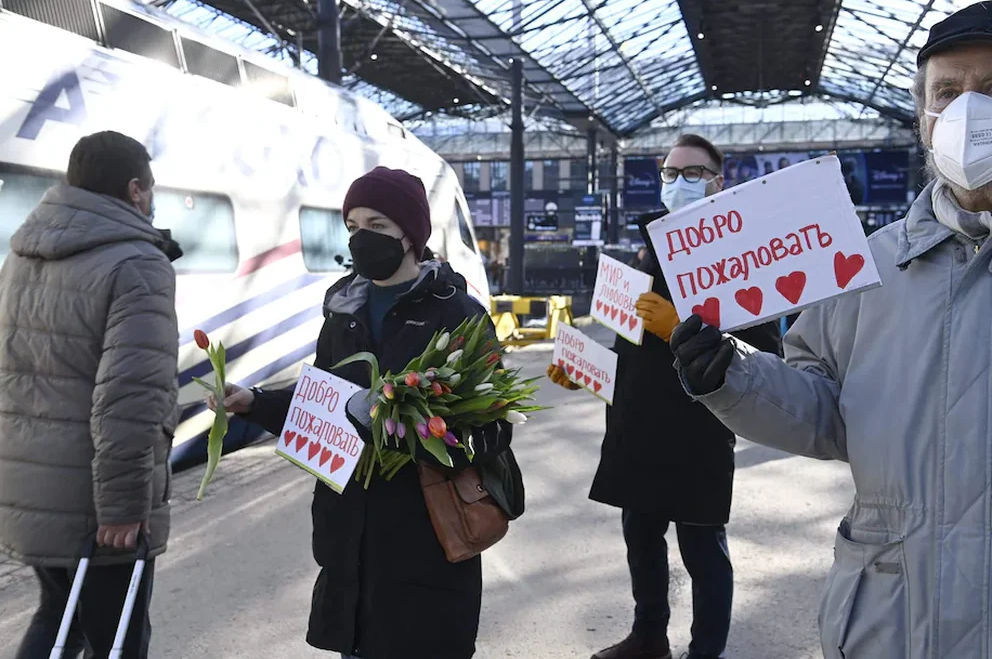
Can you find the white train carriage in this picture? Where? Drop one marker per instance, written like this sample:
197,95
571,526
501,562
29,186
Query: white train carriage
252,161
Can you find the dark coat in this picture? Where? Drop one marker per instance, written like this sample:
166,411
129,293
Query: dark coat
385,589
664,453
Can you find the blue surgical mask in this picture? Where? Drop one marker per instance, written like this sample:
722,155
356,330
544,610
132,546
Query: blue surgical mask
681,193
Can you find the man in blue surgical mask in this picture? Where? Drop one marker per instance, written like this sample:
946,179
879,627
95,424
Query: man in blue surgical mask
692,171
667,461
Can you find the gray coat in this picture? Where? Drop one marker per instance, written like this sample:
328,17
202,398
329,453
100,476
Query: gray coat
896,382
88,368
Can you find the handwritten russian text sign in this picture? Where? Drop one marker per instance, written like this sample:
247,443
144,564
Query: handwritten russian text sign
317,435
617,288
765,248
586,362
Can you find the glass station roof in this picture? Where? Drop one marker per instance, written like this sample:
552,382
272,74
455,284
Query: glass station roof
872,54
625,63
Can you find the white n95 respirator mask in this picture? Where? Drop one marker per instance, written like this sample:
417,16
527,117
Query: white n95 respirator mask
962,140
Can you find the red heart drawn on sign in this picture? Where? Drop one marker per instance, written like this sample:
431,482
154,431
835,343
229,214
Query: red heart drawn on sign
606,310
599,305
337,463
709,311
845,267
587,379
325,455
301,442
623,317
596,387
791,287
569,369
290,436
750,299
561,363
578,376
314,449
632,321
613,313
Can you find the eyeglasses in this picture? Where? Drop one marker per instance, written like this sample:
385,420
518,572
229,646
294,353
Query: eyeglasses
691,173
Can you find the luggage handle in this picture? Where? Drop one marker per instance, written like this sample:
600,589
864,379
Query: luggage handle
89,546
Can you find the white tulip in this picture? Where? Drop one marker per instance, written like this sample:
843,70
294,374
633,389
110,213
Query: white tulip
485,386
455,379
514,416
455,356
442,342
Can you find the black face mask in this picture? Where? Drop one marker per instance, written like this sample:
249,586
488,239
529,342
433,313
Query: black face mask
375,255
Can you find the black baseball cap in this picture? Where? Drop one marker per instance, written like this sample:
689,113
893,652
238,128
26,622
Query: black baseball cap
970,24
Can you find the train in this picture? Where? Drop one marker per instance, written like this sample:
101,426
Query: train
252,159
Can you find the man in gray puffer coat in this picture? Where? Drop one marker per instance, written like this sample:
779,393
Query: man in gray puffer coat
88,387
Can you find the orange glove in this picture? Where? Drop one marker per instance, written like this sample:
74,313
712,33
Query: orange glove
557,375
660,317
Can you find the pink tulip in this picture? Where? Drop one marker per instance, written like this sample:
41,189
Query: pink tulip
390,426
389,391
422,430
401,430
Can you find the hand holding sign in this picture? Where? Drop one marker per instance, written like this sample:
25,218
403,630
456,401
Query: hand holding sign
660,317
703,353
765,248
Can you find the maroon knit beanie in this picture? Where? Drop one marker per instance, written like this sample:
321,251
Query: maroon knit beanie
398,195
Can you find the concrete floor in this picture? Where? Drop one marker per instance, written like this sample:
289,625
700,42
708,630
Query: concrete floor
237,578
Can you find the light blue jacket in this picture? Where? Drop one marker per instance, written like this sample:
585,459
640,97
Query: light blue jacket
897,382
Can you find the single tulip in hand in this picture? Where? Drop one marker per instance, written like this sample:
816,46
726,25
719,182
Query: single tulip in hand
557,375
660,317
220,392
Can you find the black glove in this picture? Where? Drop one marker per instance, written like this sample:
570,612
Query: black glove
358,410
703,355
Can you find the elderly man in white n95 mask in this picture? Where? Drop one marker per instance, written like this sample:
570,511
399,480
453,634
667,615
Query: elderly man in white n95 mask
897,383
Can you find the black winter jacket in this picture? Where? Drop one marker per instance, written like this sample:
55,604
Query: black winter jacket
385,589
664,453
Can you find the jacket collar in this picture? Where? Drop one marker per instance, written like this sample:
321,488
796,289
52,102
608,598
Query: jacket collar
353,295
921,232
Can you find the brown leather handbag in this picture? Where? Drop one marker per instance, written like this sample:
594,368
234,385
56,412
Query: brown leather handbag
466,518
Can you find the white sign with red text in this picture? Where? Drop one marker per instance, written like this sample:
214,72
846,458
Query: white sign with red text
586,362
765,248
317,435
617,288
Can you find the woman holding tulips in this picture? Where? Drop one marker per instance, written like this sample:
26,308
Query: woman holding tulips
385,589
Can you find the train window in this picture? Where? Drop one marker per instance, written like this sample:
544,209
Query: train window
210,63
324,238
20,192
203,225
72,15
140,37
271,85
464,229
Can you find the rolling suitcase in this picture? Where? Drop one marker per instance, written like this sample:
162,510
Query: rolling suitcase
77,587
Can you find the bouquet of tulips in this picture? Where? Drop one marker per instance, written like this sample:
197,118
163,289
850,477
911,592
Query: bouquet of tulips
455,385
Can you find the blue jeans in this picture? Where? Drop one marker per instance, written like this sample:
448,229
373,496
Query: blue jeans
706,558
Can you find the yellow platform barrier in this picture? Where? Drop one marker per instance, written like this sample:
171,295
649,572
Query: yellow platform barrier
507,309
